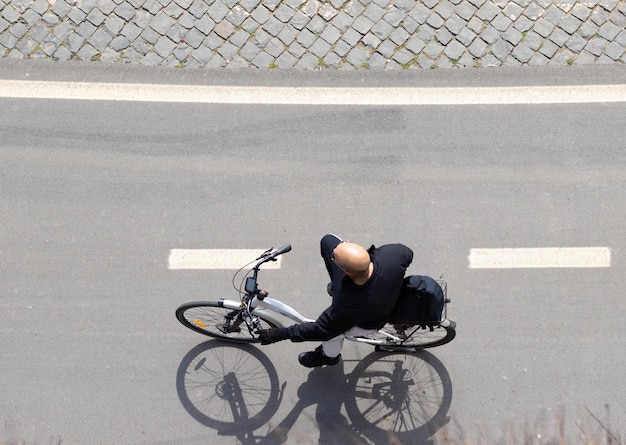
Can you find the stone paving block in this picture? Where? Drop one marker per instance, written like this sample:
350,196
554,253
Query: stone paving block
455,50
443,36
205,25
399,36
523,53
239,38
415,45
403,56
609,31
284,13
478,48
371,41
362,25
125,11
330,34
341,48
249,51
286,61
316,25
433,49
410,25
614,50
273,26
306,38
308,62
513,36
548,49
501,49
394,17
466,36
596,46
218,11
435,21
374,12
224,29
262,38
523,24
237,15
487,11
420,13
320,48
382,30
445,9
466,10
274,47
455,24
559,37
576,43
358,56
501,22
377,62
570,24
299,20
131,31
287,35
387,48
425,32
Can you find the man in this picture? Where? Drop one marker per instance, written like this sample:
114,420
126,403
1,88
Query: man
365,285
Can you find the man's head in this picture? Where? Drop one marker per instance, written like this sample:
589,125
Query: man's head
353,259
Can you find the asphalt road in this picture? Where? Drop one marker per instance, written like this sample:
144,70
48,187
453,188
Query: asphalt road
93,195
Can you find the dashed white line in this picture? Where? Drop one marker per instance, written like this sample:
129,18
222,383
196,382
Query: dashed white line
312,95
190,259
546,257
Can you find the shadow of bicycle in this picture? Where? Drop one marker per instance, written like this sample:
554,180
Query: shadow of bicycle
388,397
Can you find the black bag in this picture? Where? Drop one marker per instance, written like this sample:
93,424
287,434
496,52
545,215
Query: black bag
421,302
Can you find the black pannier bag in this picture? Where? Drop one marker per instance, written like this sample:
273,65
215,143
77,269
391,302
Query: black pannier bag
421,302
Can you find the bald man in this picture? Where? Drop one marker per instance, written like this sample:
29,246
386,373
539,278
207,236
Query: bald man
365,285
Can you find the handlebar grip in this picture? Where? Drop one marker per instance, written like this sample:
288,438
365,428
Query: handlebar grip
286,248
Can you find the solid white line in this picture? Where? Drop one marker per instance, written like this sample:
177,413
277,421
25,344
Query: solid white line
312,95
216,258
546,257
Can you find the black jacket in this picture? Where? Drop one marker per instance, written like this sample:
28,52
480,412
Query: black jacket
366,306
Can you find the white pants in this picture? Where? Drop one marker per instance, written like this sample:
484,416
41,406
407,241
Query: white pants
332,348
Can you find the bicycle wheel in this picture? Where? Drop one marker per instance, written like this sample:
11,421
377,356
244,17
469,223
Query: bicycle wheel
414,337
213,319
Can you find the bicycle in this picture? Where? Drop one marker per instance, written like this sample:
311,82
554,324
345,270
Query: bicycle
239,321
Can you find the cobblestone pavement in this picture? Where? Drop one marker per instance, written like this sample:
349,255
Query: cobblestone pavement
316,34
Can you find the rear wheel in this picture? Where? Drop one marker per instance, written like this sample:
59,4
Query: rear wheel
213,319
415,337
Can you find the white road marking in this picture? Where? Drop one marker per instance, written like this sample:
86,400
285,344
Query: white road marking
216,258
312,95
546,257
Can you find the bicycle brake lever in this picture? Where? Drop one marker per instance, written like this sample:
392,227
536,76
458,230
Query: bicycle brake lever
265,254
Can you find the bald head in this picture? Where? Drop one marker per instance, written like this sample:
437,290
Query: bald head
352,258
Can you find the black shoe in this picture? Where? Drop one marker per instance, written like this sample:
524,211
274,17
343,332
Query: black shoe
316,358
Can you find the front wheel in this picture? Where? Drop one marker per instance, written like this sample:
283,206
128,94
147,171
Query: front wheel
213,319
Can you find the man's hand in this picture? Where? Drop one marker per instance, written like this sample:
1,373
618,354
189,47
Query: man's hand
273,335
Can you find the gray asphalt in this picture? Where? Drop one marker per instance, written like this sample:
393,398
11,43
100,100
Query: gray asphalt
94,194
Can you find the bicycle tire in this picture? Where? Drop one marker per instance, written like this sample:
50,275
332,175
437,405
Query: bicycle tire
212,318
414,337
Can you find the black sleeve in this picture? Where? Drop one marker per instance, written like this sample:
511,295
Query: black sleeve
331,323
